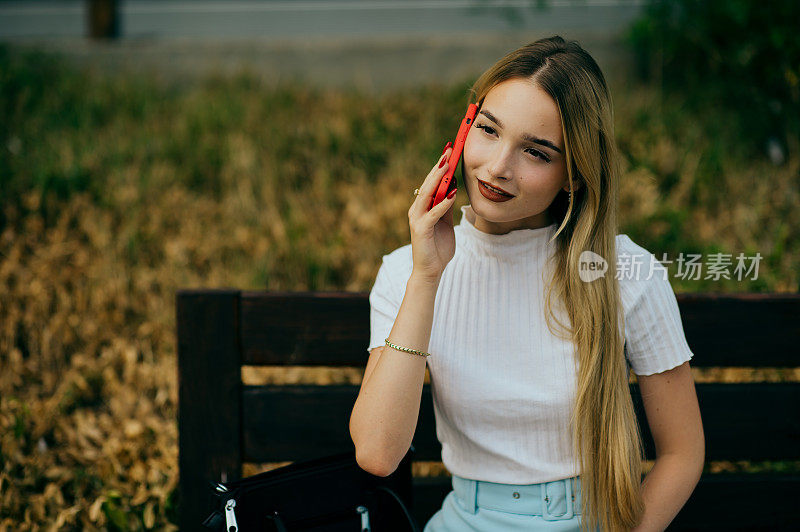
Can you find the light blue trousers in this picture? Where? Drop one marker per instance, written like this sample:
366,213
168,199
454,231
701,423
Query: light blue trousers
480,506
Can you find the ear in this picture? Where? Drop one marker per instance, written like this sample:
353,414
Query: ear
575,186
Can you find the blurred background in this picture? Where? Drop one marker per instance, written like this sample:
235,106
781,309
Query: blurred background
148,146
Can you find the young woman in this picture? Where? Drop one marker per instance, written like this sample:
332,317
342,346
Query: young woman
529,337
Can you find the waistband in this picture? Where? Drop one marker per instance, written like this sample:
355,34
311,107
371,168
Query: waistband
554,500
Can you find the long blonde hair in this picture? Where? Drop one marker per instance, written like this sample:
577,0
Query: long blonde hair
606,439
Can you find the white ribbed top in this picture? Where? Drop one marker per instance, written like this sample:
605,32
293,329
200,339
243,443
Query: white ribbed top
502,384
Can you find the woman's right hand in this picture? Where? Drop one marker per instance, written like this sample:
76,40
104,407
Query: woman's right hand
433,240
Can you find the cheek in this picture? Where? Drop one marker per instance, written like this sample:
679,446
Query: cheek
542,182
468,153
475,151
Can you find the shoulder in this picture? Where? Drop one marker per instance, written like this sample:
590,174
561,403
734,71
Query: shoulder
627,247
399,262
395,270
631,253
638,271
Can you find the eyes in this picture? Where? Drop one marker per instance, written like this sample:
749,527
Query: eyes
536,153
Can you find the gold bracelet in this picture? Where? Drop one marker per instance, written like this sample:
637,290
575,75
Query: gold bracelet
407,350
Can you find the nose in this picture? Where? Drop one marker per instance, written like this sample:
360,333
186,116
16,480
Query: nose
500,165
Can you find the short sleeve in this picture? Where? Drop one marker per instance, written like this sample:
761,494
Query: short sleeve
384,303
654,337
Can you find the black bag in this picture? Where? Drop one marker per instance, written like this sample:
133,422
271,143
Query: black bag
329,494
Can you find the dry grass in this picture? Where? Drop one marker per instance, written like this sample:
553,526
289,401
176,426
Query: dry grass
117,193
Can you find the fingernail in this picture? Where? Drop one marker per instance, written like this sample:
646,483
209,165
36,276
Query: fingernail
452,193
444,160
446,146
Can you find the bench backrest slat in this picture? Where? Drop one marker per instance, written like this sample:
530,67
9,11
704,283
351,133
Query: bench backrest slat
308,329
332,329
294,422
742,330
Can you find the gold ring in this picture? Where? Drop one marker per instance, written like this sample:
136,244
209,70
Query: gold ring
416,191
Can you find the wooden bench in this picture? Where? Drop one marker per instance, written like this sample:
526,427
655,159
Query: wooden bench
223,423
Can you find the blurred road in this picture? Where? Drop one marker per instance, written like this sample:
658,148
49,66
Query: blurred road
158,19
374,45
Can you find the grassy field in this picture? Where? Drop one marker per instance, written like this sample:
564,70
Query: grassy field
116,192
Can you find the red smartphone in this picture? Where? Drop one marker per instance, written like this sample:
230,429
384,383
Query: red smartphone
448,182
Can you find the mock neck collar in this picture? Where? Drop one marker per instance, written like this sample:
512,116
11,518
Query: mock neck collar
512,244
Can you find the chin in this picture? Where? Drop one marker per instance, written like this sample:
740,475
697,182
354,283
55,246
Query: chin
497,214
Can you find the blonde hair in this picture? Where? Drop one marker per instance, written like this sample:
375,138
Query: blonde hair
606,439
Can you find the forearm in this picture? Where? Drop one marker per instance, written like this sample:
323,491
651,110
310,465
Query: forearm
385,415
665,490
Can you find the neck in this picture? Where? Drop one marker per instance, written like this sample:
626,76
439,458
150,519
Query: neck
501,228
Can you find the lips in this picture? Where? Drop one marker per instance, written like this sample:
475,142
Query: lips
497,188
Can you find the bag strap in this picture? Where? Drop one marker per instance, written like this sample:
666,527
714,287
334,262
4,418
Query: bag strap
279,526
396,497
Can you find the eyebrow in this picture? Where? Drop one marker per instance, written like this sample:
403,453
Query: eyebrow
525,136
